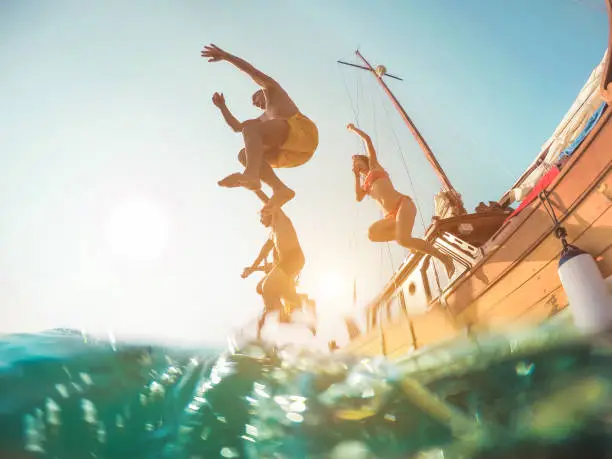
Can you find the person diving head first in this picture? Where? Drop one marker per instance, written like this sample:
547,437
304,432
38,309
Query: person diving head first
279,283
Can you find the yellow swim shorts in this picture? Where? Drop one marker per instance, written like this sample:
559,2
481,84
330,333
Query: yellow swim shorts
301,143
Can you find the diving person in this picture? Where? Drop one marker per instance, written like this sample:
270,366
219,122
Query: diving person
279,284
282,137
400,210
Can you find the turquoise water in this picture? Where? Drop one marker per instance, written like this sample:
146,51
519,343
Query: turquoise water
539,394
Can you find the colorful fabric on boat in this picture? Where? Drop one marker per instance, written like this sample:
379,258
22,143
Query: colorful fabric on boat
546,180
588,128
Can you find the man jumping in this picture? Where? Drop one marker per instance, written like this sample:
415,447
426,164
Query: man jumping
282,137
280,280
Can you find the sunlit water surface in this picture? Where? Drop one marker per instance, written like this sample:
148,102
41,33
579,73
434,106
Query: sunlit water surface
542,393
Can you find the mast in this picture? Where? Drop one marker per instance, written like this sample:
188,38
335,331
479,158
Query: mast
454,196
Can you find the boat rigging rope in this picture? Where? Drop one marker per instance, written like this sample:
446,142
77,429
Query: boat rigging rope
353,242
400,153
559,230
355,107
376,144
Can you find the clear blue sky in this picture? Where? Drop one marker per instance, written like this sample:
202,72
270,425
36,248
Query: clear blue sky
104,101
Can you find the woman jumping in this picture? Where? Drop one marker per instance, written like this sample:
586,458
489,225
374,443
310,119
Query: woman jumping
400,210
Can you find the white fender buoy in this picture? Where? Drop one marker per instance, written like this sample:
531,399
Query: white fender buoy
590,301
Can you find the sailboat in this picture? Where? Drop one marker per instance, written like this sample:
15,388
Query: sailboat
506,259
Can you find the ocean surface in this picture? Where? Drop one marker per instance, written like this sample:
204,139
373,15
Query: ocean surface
539,393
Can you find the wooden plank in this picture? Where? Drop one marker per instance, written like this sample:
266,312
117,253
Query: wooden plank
434,326
367,344
398,336
593,239
589,210
521,316
568,189
553,303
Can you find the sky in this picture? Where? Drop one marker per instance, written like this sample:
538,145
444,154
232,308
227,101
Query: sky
110,147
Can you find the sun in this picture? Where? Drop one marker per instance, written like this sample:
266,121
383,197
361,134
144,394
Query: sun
330,286
137,229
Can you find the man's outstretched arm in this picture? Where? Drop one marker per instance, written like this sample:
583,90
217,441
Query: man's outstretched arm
230,119
257,264
215,54
263,253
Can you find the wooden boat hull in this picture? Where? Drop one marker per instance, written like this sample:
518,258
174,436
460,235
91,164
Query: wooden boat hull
516,281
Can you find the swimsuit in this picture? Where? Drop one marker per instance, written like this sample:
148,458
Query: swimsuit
292,263
397,207
300,145
374,175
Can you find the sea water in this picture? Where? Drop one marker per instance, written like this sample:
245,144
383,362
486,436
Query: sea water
542,393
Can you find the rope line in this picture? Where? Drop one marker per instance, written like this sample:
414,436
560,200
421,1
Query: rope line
376,145
353,245
400,153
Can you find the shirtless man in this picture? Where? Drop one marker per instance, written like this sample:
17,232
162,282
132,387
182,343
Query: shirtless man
281,137
279,282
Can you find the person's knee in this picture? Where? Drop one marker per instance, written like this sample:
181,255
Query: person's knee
251,128
371,234
242,157
374,234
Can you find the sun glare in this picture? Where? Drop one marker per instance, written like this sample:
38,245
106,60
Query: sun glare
331,286
137,229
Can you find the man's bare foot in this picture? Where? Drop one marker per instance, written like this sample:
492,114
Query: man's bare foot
278,200
236,180
231,181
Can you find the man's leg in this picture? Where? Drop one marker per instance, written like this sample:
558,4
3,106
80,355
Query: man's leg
258,135
272,303
261,322
282,285
268,176
279,285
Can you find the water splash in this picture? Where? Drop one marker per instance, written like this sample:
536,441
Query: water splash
88,398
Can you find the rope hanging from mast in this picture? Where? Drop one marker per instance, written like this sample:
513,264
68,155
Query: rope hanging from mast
417,202
353,242
355,107
453,196
450,194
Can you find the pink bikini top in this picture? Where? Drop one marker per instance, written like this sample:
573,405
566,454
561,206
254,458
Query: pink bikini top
372,176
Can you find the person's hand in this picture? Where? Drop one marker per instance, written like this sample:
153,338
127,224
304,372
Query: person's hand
268,267
356,166
218,99
214,53
350,127
247,272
